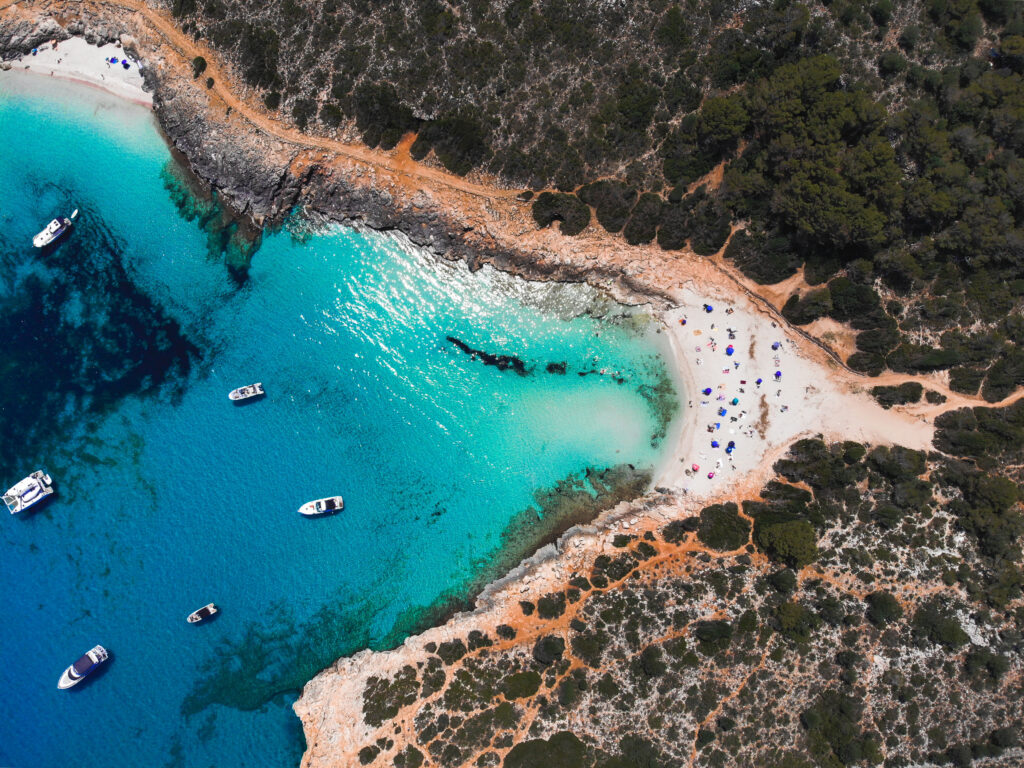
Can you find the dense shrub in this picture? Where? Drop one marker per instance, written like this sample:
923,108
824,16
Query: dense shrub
557,206
459,141
722,528
612,201
801,310
792,542
882,608
908,392
643,222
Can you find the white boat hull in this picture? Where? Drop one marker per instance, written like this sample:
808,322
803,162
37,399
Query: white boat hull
89,662
247,392
321,507
204,613
28,492
54,231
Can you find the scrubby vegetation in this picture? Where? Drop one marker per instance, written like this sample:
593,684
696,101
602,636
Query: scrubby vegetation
882,629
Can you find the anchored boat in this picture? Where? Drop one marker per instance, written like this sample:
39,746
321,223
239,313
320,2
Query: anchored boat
327,506
28,492
82,668
54,230
202,614
247,392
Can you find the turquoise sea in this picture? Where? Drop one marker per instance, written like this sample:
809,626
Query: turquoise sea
117,351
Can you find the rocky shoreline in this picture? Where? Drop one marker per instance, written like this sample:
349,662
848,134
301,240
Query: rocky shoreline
265,178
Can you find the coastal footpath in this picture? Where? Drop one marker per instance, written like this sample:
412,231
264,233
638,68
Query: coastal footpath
668,628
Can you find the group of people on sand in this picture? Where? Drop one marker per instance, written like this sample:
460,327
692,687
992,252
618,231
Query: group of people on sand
729,421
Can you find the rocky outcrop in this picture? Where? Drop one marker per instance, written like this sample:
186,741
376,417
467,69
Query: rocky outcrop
20,36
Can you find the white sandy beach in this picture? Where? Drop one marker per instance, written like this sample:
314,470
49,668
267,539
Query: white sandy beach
760,419
76,60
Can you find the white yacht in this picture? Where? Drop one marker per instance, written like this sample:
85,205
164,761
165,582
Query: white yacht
247,392
78,671
202,614
54,230
327,506
27,492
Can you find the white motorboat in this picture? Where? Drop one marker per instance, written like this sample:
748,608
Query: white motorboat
54,230
247,392
327,506
202,614
78,671
28,492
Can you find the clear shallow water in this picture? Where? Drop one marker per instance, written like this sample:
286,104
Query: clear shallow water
119,348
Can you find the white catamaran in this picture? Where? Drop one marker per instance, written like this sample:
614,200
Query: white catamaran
28,491
54,230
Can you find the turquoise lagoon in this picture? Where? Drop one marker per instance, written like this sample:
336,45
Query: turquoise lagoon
118,350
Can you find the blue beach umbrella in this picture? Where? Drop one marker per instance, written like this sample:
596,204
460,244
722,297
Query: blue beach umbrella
729,350
706,390
735,401
714,443
722,411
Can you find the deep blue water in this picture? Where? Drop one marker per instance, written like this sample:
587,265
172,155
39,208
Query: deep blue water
118,350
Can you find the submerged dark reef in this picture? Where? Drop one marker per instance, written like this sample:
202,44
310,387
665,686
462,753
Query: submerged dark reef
501,362
279,655
76,325
230,238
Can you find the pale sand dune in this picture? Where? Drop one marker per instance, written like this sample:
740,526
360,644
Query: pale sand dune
76,60
816,400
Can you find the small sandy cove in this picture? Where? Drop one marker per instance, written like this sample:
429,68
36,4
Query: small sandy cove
752,387
79,62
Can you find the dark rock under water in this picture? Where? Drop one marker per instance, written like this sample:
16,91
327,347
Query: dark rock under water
501,362
85,334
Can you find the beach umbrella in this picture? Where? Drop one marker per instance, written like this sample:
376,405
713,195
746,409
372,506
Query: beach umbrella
711,475
776,345
718,425
729,449
708,308
735,401
729,350
722,411
714,443
706,390
778,375
732,443
695,467
758,382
